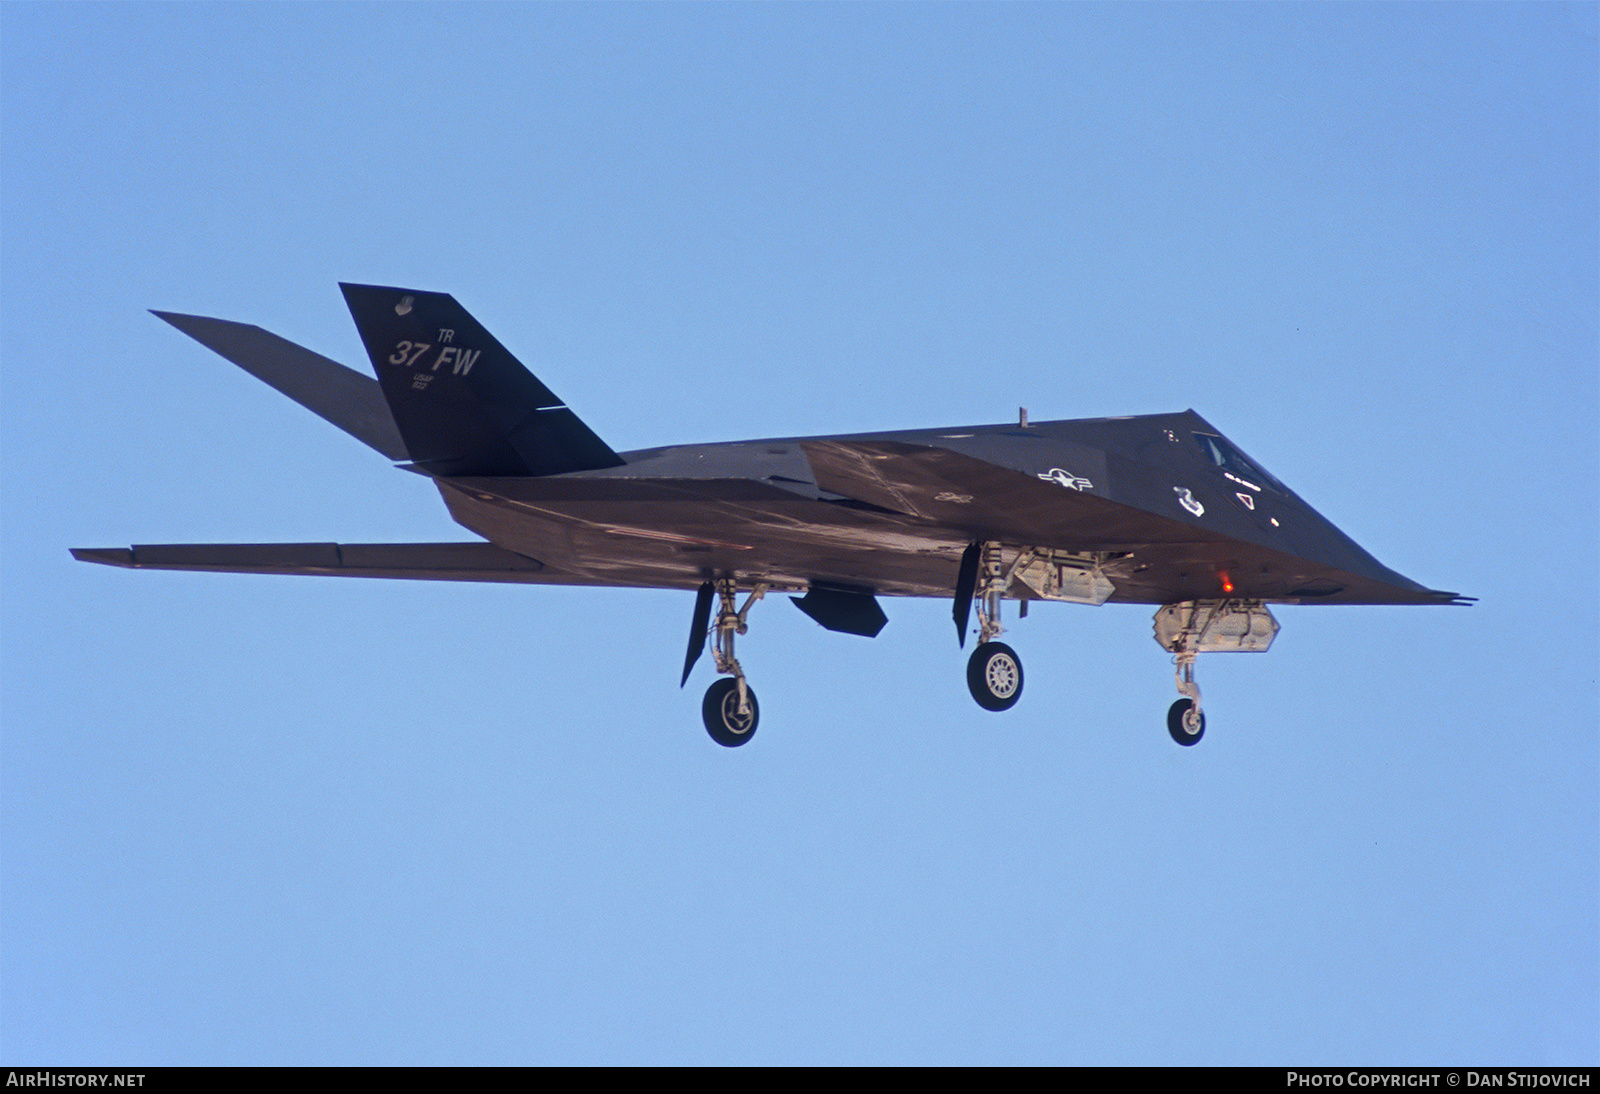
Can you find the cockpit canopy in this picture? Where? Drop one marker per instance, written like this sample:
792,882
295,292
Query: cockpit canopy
1233,463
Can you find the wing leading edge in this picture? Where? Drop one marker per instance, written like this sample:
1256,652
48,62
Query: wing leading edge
417,561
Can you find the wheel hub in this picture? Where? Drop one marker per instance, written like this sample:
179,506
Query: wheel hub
1001,675
731,718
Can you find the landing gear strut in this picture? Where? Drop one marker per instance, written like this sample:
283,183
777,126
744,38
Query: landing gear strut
730,710
994,672
1185,720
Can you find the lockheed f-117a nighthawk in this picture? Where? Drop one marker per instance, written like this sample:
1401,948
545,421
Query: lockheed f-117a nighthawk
1156,509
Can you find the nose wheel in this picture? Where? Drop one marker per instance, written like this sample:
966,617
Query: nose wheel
1186,722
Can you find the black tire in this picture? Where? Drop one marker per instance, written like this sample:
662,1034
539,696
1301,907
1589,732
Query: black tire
1178,715
720,709
994,676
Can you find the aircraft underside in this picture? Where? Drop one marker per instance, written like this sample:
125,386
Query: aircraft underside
771,541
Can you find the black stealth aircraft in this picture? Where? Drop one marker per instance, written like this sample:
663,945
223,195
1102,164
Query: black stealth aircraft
1156,509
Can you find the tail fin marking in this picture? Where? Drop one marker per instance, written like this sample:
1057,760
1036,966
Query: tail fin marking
463,404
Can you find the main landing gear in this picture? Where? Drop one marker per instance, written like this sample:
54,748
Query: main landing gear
730,710
994,672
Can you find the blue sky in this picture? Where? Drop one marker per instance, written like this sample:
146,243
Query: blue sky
275,820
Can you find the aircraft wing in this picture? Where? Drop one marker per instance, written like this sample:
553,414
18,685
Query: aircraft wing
418,561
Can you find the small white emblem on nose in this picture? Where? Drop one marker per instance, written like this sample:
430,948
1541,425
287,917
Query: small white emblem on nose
1188,501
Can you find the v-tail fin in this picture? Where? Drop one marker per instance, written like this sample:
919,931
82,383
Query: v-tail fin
328,389
463,404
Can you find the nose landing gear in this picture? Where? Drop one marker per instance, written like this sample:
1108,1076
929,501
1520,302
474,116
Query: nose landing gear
1185,720
1206,626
